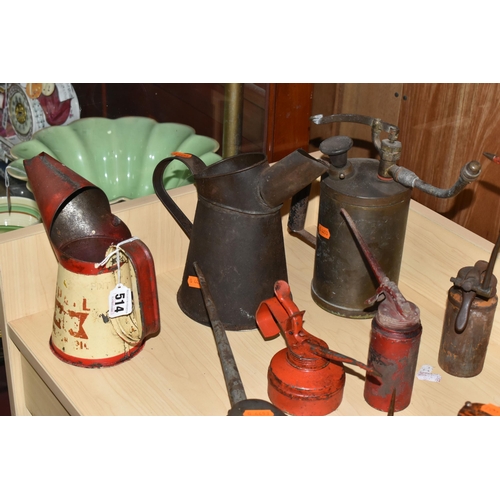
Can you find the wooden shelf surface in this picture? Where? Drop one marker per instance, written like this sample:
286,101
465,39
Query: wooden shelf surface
178,372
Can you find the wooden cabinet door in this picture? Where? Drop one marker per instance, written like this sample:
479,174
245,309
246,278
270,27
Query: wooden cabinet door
289,108
444,126
275,115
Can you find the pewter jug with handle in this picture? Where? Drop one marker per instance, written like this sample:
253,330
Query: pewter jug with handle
236,235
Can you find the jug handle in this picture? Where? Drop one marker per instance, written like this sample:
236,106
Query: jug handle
297,216
196,166
147,293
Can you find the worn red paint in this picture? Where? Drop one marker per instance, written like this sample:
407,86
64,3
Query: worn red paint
393,353
306,378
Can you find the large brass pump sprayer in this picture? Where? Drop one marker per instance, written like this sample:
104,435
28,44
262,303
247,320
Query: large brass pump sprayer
376,193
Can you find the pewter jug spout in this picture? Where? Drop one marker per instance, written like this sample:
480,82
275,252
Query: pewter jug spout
288,176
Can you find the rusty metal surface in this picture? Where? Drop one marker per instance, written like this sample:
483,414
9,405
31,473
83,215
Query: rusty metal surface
73,210
470,311
394,355
392,404
478,410
232,377
394,337
463,354
85,236
240,405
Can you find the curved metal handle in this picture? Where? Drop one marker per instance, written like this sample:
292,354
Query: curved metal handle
297,217
392,130
196,166
143,286
463,314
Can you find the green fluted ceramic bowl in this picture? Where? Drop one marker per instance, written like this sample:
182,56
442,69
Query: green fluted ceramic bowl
119,155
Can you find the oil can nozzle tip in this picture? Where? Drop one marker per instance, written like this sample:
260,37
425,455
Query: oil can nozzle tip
493,157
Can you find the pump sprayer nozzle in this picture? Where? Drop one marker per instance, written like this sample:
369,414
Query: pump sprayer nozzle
493,157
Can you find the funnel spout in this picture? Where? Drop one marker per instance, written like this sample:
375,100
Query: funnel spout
288,176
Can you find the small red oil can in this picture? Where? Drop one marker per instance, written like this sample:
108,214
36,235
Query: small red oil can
394,339
305,378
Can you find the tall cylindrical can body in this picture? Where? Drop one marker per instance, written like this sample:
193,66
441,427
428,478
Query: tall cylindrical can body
463,354
393,354
341,281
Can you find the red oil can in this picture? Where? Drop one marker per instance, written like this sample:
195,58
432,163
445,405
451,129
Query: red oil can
305,378
394,338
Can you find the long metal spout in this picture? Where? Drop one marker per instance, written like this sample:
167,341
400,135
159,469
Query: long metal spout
469,173
288,176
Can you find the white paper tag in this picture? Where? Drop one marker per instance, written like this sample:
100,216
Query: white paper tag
425,373
425,369
120,301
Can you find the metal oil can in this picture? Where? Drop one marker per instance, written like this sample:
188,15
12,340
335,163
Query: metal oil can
377,193
305,378
106,299
394,338
468,320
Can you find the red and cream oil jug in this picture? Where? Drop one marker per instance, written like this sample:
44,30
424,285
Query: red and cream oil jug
106,302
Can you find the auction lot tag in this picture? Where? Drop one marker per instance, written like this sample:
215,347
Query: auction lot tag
120,301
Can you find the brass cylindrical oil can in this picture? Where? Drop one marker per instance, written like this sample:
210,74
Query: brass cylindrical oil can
377,193
380,207
468,320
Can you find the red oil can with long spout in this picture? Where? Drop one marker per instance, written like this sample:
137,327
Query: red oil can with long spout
394,338
305,378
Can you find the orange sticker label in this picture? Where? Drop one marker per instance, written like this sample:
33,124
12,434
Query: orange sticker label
324,231
491,409
194,282
258,413
182,155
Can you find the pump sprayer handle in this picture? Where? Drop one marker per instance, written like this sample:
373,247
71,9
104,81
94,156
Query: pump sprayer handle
391,129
